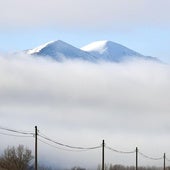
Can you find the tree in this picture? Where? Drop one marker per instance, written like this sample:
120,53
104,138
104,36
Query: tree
77,168
16,158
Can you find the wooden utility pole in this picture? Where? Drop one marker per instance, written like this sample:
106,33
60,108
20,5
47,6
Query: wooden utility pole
136,158
36,162
103,145
164,161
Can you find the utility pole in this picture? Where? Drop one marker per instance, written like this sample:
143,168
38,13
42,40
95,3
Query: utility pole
103,145
36,163
164,161
136,158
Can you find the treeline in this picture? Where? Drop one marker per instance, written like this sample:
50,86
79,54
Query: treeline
18,158
122,167
21,158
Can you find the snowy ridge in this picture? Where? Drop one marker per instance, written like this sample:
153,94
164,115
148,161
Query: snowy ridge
110,51
94,52
39,48
97,46
59,50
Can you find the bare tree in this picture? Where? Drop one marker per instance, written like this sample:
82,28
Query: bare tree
16,158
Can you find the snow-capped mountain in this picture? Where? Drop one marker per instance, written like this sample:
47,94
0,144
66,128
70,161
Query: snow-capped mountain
111,51
94,52
59,50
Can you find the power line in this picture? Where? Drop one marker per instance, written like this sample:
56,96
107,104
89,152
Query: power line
2,127
16,131
151,158
167,159
7,134
53,146
118,151
69,146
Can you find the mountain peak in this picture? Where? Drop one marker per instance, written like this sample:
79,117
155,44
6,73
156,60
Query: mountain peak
46,45
110,51
96,46
96,51
59,50
103,45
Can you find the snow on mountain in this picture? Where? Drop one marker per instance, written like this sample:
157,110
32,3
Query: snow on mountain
94,52
59,50
110,51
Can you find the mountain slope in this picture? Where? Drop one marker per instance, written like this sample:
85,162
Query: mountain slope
110,51
59,50
94,52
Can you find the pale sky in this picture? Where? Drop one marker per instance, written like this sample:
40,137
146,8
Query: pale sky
142,25
83,103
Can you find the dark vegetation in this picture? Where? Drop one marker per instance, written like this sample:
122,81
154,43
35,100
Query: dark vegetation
20,158
16,158
121,167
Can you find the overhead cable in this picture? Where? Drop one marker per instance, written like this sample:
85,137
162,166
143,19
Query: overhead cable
16,131
151,158
7,134
69,146
118,151
56,147
167,159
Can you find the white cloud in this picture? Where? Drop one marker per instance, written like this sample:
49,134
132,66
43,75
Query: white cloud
84,13
82,103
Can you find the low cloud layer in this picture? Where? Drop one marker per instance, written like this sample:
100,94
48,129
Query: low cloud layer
84,13
81,103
